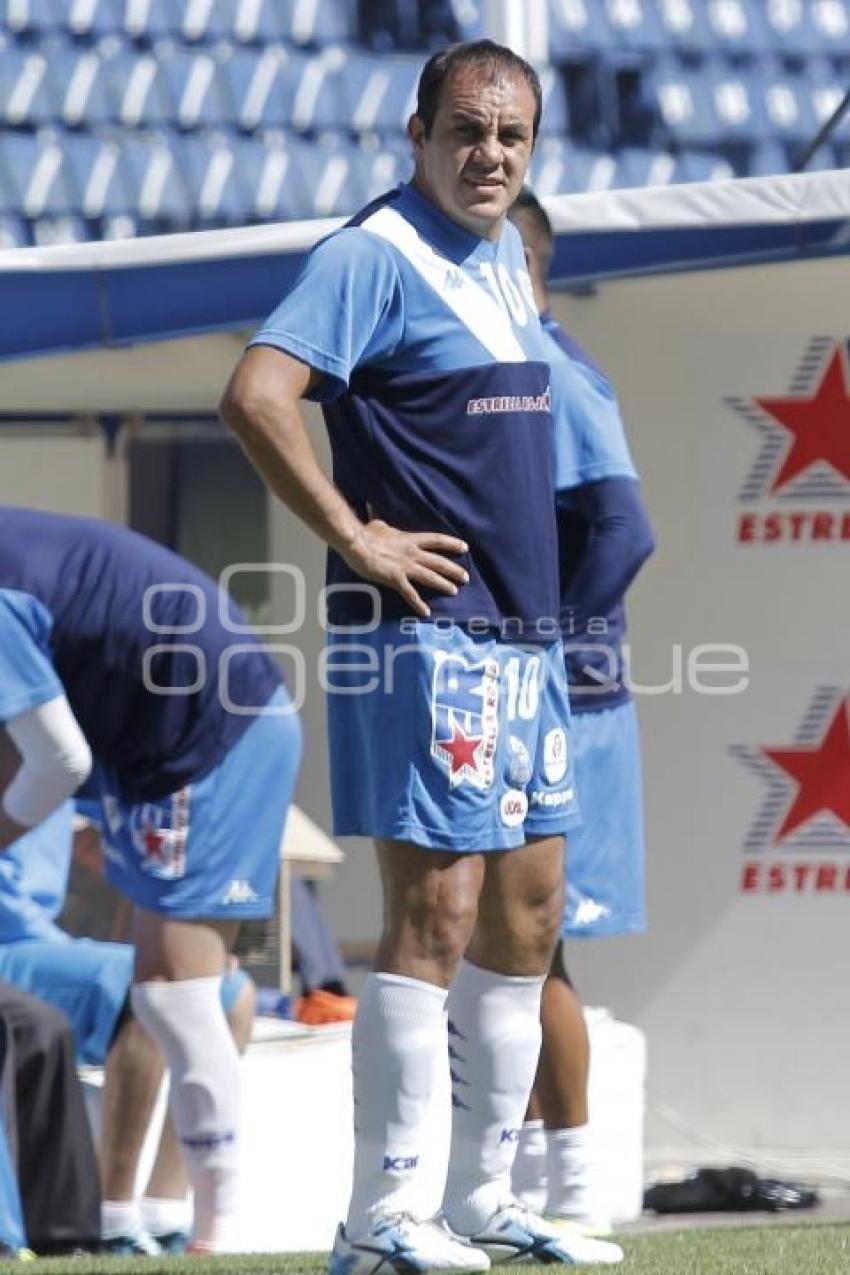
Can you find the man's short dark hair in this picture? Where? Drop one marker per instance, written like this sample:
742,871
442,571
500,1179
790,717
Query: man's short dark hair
484,55
528,210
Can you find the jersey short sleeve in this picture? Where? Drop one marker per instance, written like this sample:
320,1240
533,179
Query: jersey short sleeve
345,310
27,675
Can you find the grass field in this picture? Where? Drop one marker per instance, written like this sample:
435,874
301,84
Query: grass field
756,1250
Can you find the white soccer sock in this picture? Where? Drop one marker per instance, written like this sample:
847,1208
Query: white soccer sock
569,1164
528,1176
494,1045
188,1022
165,1216
398,1045
119,1219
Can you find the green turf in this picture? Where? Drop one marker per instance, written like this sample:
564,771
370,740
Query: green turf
757,1250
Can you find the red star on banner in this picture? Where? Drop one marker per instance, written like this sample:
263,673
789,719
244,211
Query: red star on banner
822,775
461,748
820,425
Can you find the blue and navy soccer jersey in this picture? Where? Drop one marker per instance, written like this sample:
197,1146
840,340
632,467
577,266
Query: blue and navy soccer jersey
435,391
108,617
596,488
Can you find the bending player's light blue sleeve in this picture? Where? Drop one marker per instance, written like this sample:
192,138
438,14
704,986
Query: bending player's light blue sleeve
345,310
27,675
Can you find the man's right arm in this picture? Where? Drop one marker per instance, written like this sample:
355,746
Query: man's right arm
261,406
44,758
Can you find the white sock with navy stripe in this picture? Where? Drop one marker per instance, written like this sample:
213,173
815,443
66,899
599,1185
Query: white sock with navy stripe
494,1044
398,1045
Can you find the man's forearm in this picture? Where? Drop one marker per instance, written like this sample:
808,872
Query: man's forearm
278,445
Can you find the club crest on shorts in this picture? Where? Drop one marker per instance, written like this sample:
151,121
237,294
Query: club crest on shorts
465,719
159,830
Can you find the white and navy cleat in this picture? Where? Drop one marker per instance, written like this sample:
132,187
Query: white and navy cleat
515,1234
405,1246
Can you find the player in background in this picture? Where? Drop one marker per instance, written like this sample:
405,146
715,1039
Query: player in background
604,537
89,980
415,328
123,666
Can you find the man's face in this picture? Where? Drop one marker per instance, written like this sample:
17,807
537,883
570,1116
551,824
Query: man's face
474,162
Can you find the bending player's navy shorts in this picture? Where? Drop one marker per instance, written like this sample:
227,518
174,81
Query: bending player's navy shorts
89,982
605,857
211,849
451,740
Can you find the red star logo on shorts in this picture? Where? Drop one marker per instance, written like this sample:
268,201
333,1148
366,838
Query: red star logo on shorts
153,840
462,749
822,775
819,425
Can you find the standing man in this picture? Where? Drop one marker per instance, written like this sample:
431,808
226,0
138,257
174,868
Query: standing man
415,327
604,537
120,658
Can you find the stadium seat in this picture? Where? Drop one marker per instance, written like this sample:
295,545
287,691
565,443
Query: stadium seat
154,187
682,97
34,173
261,87
556,111
809,27
77,87
136,90
639,167
578,29
788,103
369,93
558,168
826,87
210,170
739,103
737,26
696,166
27,19
319,21
192,83
767,159
24,97
92,19
408,26
93,168
266,175
14,230
635,25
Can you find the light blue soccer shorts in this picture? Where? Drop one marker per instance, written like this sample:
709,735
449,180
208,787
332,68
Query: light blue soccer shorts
89,982
605,856
451,740
210,850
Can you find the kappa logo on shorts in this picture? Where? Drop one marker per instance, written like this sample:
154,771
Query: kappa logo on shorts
465,719
159,831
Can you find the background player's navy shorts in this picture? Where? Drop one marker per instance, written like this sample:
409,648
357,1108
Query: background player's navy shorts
447,739
89,982
210,850
605,856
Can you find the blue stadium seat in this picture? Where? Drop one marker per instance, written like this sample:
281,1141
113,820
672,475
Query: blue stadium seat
77,87
191,80
685,26
684,101
556,111
255,21
559,168
696,166
320,21
92,19
93,167
28,19
24,96
154,187
808,27
767,159
14,230
136,90
370,93
260,88
210,170
788,103
35,175
635,25
826,87
637,166
738,99
578,28
267,177
408,25
738,26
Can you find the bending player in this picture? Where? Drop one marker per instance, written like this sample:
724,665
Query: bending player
416,329
604,537
119,657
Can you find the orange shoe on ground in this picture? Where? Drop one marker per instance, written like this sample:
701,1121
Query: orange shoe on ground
321,1006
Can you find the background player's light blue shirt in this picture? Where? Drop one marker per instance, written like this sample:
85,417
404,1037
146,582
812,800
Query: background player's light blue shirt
34,879
436,397
590,441
27,676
